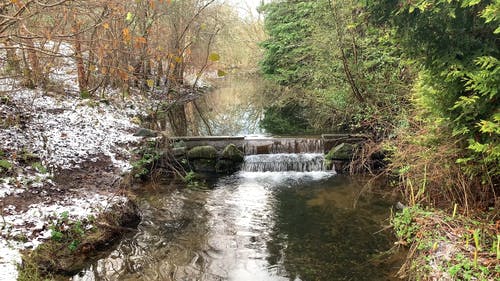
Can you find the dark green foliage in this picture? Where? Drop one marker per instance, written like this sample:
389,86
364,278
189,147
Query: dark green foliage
66,231
456,45
286,120
289,51
345,74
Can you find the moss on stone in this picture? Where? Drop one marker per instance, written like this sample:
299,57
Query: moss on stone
202,152
343,151
231,152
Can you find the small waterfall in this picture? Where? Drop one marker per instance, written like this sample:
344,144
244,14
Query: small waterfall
283,145
306,162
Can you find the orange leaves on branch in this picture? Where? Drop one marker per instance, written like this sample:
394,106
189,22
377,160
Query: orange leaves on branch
18,3
139,41
123,75
152,4
105,25
126,35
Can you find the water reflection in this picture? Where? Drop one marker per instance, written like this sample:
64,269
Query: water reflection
319,235
255,226
234,107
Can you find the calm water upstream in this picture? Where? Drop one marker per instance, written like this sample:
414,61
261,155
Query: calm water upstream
281,218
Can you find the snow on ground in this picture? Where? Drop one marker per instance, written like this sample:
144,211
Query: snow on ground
33,224
9,258
67,132
62,130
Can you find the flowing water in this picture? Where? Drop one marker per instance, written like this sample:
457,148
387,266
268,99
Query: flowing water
281,218
294,222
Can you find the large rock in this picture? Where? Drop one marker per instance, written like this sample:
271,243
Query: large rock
203,158
202,152
230,160
343,151
231,152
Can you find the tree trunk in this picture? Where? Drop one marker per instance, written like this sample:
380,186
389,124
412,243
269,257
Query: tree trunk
80,66
34,62
13,61
178,120
350,79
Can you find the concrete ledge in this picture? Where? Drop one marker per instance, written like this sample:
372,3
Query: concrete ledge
207,138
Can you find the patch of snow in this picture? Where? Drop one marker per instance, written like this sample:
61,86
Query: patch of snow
64,131
10,257
34,223
67,132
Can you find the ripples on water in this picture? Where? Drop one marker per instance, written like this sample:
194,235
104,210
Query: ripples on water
254,226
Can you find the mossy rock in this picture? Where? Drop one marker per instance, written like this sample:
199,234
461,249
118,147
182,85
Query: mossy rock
202,152
146,133
343,151
179,152
231,152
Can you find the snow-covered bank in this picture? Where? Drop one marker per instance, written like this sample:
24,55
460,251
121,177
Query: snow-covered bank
57,134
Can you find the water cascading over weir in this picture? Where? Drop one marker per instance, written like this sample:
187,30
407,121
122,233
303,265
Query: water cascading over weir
263,154
281,162
283,155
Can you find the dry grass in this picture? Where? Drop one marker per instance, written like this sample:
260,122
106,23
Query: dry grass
426,163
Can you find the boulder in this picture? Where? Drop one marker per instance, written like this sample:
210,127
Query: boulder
343,151
230,160
146,133
232,153
202,152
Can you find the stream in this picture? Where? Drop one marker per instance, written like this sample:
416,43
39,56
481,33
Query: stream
281,218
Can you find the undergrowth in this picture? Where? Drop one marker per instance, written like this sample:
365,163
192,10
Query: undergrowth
426,158
447,246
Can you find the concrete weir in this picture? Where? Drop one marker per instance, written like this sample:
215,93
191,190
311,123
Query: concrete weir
272,145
